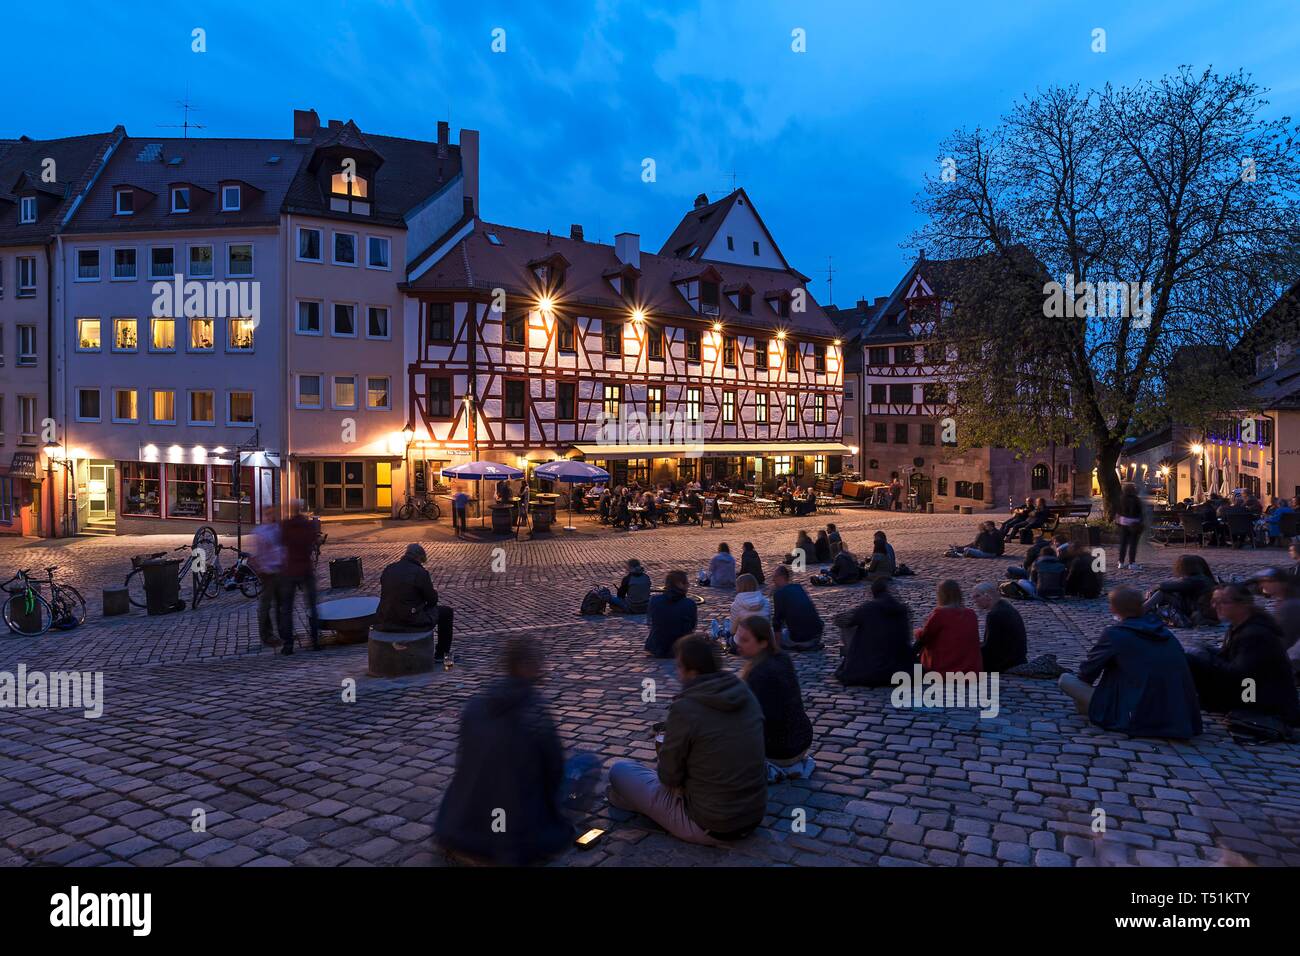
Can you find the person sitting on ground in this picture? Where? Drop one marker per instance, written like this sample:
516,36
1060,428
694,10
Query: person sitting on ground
671,615
988,543
1250,670
880,643
822,548
769,672
748,602
508,761
1005,643
633,595
836,542
1019,518
882,560
722,569
1145,687
1046,578
711,784
794,611
949,641
1188,595
1081,578
803,546
408,602
1285,593
751,563
1035,552
845,569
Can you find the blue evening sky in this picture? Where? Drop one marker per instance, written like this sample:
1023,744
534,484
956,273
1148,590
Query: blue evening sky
831,144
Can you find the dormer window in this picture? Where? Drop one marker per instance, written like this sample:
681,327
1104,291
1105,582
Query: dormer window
746,303
629,286
125,202
549,272
230,198
180,199
709,297
350,192
27,209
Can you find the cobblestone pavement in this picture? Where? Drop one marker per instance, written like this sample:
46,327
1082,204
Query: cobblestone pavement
199,716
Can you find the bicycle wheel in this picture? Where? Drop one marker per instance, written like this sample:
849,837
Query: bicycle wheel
28,620
250,584
135,588
431,511
200,585
68,609
406,512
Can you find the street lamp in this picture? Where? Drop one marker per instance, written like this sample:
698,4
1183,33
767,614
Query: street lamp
56,455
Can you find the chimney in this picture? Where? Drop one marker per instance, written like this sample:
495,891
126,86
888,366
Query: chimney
627,247
305,124
701,200
469,166
862,304
336,124
444,134
575,232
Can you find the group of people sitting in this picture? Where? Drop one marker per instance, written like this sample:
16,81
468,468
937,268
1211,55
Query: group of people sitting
619,506
795,500
1235,520
1056,568
1030,516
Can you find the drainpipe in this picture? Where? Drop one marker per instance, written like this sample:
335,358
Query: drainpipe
286,461
49,370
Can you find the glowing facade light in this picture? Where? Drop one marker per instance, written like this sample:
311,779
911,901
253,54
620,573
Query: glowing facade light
780,335
1198,449
717,326
545,304
638,315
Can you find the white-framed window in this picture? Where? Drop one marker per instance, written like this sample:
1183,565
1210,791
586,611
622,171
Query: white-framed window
27,209
126,335
203,407
203,335
239,408
345,248
88,405
309,241
694,399
345,320
791,408
377,322
239,334
344,391
126,405
123,264
162,406
201,262
308,391
26,276
162,334
27,419
760,407
124,202
180,199
162,262
26,345
378,252
87,265
89,335
309,322
239,259
230,198
379,393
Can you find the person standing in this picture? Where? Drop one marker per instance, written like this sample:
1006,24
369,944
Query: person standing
459,512
298,534
1130,528
267,562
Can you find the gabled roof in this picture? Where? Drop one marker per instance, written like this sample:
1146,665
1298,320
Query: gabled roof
475,263
698,228
76,162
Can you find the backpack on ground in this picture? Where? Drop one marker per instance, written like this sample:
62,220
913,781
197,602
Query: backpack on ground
593,603
1259,728
1042,667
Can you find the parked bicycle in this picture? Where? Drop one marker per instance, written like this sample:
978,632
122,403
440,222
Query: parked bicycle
426,507
215,579
31,614
202,553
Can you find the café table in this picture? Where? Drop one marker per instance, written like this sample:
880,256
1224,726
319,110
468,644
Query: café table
348,618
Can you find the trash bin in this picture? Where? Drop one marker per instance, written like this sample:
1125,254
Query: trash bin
345,572
116,601
162,586
543,516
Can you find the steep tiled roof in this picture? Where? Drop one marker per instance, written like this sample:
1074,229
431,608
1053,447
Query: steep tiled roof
697,228
475,262
76,159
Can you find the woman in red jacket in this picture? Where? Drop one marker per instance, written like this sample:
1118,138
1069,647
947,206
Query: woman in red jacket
950,640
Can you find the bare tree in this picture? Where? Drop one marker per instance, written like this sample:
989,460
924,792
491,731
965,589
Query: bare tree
1153,221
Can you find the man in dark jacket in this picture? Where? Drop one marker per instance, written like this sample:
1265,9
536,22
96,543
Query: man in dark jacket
671,615
408,602
633,595
751,563
1145,687
504,803
1005,644
298,537
1048,575
1250,671
711,784
793,609
878,640
1080,578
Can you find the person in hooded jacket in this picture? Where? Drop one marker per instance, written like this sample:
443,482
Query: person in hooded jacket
880,643
710,787
751,563
508,758
1253,650
1144,687
633,595
672,614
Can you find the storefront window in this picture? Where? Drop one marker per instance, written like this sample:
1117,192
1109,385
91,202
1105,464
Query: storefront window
187,492
224,504
140,489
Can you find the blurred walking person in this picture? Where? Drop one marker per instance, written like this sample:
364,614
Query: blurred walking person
268,562
298,535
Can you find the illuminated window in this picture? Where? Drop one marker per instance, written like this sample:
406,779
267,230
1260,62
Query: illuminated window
345,391
693,402
125,405
728,406
613,399
240,337
654,400
377,393
239,408
88,337
819,409
164,406
162,335
791,408
125,335
203,408
760,407
202,335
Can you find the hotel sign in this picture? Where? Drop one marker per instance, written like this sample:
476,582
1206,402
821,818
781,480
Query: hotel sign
23,465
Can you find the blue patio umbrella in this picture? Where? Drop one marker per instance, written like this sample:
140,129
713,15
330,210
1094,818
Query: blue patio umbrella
482,471
571,472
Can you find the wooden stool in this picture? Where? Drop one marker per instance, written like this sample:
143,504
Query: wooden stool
116,601
395,654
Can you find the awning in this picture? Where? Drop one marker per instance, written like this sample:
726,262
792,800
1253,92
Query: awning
712,450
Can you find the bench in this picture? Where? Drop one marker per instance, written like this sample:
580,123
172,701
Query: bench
393,654
1061,512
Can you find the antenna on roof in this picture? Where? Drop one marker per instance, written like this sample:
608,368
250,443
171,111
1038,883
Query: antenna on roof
733,174
185,126
830,279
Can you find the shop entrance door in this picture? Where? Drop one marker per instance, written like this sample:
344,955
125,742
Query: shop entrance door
101,486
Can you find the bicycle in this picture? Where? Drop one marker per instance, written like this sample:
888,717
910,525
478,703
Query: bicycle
202,554
64,610
425,507
211,582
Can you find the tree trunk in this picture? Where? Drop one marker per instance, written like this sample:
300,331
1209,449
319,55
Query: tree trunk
1111,490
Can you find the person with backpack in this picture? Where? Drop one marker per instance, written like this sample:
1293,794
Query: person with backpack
949,641
1186,600
878,639
751,563
770,675
671,615
633,596
1144,687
